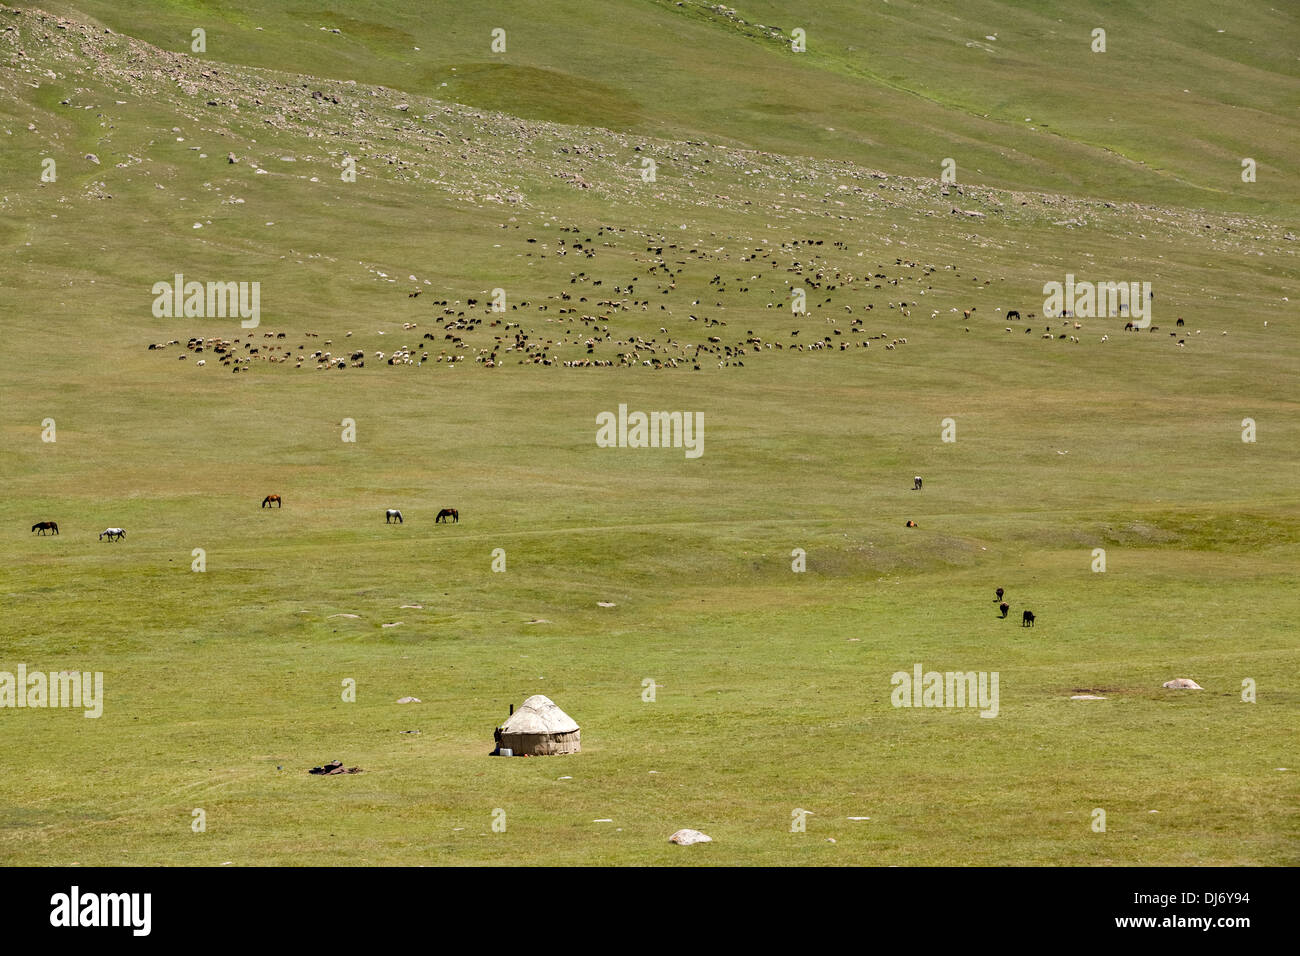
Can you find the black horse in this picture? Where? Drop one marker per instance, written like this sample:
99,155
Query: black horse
445,513
44,526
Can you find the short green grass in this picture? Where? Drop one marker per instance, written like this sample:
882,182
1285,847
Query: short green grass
772,688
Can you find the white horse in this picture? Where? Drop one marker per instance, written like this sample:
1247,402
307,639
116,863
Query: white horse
392,513
113,534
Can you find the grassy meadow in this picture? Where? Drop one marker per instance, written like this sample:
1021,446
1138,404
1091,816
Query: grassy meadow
772,689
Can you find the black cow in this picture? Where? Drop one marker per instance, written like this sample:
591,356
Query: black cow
1027,620
1004,607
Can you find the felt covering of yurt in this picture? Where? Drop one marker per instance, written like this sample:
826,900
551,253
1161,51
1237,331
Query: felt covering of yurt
540,728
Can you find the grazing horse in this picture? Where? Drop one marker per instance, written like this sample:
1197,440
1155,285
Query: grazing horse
266,502
1004,607
451,513
916,483
999,593
113,534
912,524
44,526
1012,314
392,513
1027,620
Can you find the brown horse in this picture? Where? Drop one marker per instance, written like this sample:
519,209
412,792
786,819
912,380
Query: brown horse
451,513
266,502
44,526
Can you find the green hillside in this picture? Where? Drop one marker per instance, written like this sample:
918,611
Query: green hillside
777,175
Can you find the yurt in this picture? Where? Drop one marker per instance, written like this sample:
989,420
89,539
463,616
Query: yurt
539,728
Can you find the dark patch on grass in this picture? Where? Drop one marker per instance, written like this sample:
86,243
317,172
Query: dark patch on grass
363,30
1205,532
535,93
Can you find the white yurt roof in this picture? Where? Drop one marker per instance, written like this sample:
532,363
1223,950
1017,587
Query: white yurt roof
539,715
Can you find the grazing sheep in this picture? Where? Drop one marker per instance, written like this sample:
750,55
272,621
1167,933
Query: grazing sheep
916,483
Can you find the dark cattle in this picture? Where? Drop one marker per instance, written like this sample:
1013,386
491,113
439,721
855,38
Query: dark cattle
999,593
916,483
1004,607
1179,323
44,526
445,513
1027,620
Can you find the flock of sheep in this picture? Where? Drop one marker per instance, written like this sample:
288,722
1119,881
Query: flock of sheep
580,331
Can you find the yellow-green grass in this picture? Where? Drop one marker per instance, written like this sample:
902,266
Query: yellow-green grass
772,688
